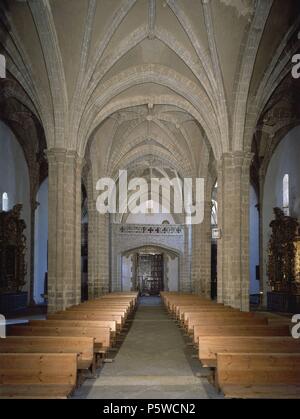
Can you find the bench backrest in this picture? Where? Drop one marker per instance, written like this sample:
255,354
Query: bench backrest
209,346
258,369
96,310
247,330
38,369
83,346
100,335
81,315
193,319
75,323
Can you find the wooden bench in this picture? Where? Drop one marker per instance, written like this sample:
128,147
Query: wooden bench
81,315
37,375
195,309
82,346
192,319
257,375
172,305
107,304
210,346
97,310
113,307
101,336
111,324
238,330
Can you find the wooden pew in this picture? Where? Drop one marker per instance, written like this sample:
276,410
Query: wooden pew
172,305
101,336
111,324
238,330
104,306
37,375
119,297
99,310
210,346
82,346
181,310
81,315
250,375
191,319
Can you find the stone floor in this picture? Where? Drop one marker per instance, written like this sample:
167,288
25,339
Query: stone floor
153,362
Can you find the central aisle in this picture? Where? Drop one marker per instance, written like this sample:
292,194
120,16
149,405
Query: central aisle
152,362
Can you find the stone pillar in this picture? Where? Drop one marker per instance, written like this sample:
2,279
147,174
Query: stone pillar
98,248
196,280
233,220
185,279
64,237
201,260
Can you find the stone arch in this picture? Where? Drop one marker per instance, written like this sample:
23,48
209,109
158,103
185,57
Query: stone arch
168,253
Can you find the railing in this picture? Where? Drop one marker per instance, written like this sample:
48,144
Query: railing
152,229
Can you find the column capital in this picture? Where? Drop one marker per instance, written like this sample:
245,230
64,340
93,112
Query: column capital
56,155
236,158
60,155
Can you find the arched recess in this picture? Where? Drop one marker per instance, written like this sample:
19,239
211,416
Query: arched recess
131,271
15,182
41,240
285,160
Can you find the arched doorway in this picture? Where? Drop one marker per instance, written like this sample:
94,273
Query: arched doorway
150,269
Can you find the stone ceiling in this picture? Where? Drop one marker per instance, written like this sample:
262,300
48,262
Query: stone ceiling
169,79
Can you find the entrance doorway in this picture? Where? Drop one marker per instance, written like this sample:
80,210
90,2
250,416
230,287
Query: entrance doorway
150,273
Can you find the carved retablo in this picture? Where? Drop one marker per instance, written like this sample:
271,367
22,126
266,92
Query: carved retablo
284,254
12,250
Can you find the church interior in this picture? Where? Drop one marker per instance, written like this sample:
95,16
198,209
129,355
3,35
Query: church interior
144,304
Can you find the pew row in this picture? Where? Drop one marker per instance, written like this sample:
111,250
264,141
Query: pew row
259,375
101,336
83,347
37,376
239,330
210,346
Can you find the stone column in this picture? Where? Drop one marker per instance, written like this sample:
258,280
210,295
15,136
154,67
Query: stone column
98,248
185,279
64,237
233,247
201,261
196,280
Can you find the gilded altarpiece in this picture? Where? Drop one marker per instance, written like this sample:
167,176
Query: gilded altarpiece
12,259
284,263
